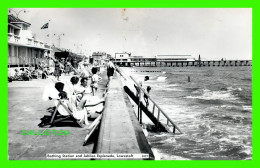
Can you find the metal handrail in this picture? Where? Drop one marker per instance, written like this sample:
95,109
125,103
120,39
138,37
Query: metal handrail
158,107
154,104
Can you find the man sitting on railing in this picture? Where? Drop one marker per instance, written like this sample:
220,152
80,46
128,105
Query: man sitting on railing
146,97
148,88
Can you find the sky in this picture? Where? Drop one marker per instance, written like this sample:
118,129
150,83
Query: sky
212,33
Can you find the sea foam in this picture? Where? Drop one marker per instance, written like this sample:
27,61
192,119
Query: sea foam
161,78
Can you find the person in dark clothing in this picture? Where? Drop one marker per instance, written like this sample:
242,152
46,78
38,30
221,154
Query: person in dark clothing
57,70
110,71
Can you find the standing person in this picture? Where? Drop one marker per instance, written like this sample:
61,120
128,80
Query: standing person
148,89
57,70
44,73
85,71
143,85
67,68
110,71
94,80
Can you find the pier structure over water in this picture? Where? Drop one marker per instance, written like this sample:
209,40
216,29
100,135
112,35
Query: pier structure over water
126,59
197,63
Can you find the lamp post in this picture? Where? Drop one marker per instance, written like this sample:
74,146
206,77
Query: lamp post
59,37
17,13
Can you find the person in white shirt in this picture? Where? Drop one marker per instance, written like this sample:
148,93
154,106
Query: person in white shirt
85,71
94,80
84,87
79,110
145,87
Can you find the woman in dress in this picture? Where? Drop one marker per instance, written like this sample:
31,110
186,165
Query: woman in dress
57,70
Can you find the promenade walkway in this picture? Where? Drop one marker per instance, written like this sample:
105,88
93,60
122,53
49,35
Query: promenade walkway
25,108
120,131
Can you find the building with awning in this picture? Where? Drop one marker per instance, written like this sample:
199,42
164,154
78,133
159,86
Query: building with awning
23,48
100,58
64,56
176,58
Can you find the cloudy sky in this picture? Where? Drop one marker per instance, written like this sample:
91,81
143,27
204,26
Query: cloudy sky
214,33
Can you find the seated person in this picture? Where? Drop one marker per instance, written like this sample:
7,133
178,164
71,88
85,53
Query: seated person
11,73
74,84
84,87
17,74
72,88
79,111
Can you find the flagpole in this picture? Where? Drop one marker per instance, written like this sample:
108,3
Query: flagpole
50,37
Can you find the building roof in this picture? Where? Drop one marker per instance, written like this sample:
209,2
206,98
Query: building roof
133,56
172,55
13,19
15,26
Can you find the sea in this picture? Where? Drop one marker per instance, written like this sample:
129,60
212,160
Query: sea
212,106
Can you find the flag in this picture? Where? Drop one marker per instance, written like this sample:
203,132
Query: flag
45,26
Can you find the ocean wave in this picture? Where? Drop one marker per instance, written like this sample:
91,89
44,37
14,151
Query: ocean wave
234,89
161,78
172,85
242,108
160,155
228,107
214,95
170,140
213,113
249,108
247,151
224,118
225,139
161,135
171,89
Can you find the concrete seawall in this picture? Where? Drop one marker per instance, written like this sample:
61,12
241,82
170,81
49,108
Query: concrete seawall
120,131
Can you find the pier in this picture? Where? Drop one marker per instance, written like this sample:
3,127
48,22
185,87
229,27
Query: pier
197,63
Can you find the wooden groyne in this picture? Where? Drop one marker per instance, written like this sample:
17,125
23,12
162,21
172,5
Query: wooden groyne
214,63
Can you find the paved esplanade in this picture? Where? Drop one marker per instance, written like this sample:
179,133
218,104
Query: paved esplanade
119,133
25,108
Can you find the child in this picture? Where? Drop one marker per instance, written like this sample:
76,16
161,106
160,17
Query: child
94,80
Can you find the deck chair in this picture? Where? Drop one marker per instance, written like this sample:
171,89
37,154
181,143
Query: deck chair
70,116
17,77
96,110
56,117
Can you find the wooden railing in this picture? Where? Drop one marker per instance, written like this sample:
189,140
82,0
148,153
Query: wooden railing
157,112
172,127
